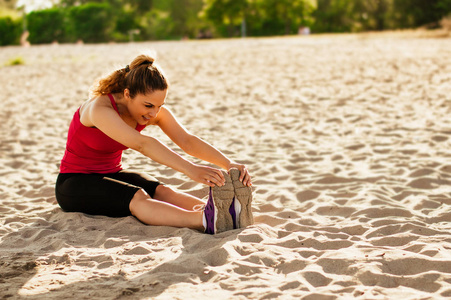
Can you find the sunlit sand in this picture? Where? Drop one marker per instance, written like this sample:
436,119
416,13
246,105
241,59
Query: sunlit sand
347,139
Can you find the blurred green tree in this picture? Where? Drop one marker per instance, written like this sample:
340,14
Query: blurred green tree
92,22
104,20
371,15
283,16
46,26
445,6
185,17
156,25
10,30
127,25
140,7
226,15
414,13
334,16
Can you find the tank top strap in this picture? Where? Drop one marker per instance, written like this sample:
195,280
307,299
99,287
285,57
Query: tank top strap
113,102
138,127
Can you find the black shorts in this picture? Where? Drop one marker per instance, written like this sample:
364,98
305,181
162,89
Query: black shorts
101,194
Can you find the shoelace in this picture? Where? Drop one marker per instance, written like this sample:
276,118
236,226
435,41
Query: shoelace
199,207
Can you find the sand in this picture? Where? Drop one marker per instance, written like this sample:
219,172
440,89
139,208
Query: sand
347,138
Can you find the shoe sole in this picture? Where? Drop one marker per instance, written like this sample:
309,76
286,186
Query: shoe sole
222,199
244,196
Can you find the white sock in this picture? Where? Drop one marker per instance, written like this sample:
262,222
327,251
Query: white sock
204,221
237,211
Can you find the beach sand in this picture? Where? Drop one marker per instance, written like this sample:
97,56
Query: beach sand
347,138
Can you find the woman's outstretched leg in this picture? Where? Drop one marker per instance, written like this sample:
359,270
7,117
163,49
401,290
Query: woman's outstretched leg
182,200
159,213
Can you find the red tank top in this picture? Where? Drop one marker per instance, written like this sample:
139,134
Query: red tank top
89,150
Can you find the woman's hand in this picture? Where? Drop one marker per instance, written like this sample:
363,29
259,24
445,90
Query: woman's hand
206,175
245,177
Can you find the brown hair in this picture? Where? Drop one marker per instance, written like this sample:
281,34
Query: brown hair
142,76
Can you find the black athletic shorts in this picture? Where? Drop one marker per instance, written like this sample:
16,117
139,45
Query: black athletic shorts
101,194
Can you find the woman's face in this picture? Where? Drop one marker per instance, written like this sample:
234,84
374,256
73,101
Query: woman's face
145,108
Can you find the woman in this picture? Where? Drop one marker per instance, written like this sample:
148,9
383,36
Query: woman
91,178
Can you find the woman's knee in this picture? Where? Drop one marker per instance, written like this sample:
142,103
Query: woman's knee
162,192
138,200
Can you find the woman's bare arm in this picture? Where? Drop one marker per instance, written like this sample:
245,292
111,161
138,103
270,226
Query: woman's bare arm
106,119
195,146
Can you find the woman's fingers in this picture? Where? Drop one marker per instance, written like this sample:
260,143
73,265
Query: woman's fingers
245,177
215,177
212,177
218,178
243,172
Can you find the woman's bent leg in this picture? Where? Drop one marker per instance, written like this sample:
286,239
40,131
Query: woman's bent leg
156,190
158,213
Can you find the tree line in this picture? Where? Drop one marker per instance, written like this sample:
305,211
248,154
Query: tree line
122,20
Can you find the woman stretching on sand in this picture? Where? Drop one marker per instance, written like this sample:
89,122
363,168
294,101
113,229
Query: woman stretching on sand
91,178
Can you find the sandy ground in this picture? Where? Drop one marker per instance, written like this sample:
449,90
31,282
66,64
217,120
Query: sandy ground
347,138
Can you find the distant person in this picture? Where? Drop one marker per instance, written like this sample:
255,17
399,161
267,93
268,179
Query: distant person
24,39
207,34
91,178
304,31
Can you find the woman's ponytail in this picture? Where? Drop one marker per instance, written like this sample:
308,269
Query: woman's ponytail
142,76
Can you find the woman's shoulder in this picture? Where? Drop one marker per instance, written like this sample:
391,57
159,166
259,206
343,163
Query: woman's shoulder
91,106
164,114
97,101
102,100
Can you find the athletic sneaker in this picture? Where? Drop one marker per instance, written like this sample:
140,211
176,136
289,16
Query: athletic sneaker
216,212
242,202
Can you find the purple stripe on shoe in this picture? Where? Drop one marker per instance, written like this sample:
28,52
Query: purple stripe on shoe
209,213
233,213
